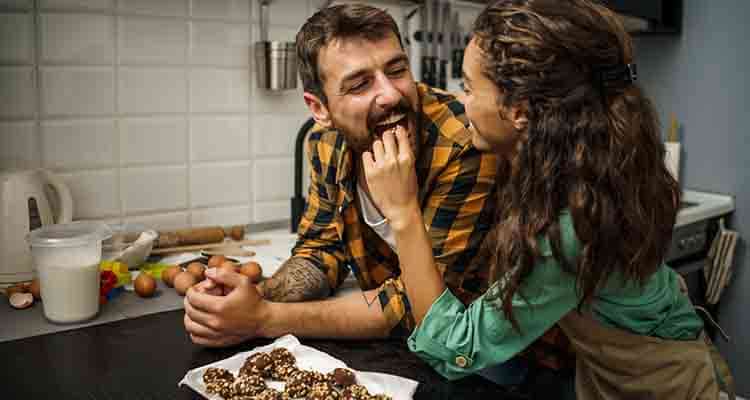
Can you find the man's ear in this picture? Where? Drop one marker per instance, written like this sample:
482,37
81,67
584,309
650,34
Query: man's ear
319,110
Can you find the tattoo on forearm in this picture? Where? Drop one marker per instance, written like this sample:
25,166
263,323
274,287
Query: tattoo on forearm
297,280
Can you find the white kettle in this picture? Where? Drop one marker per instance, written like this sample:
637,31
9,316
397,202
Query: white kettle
29,199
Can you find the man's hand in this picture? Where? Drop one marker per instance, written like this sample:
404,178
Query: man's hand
217,320
389,170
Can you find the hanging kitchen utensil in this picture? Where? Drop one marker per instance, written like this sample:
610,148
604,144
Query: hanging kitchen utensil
275,61
721,257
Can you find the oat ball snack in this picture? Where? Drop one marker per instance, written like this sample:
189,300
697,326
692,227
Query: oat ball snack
271,394
299,384
342,377
248,385
282,372
323,391
355,392
221,387
258,364
217,374
281,355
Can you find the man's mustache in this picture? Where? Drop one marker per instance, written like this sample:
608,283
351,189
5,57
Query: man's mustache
403,107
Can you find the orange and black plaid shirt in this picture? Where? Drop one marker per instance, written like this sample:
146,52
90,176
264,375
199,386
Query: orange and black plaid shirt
456,191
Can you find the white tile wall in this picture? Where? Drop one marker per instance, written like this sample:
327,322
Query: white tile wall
150,189
224,9
219,138
87,143
220,43
274,178
152,90
149,109
152,40
153,140
77,4
18,149
16,38
91,42
16,4
219,89
154,7
95,193
220,183
17,92
74,91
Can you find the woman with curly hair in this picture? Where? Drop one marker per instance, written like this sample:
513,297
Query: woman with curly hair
586,210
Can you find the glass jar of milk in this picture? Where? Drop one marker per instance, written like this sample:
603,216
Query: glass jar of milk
66,258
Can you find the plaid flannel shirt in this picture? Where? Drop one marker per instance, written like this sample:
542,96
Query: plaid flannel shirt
456,192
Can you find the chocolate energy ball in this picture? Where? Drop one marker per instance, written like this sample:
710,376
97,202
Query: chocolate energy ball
258,364
343,377
355,392
248,385
282,372
221,387
271,394
323,391
281,355
299,384
213,374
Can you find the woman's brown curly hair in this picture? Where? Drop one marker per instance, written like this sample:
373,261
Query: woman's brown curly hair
593,149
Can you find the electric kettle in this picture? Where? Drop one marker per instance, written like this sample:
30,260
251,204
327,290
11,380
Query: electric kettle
29,199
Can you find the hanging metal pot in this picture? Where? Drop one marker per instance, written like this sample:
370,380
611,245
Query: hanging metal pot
275,61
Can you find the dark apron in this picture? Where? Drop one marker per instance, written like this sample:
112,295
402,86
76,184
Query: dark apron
614,364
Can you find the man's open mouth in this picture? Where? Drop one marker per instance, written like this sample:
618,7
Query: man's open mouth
389,123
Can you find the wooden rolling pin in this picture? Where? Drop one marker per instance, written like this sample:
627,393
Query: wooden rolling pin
197,236
214,246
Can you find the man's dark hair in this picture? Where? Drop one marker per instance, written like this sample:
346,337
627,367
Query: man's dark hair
336,23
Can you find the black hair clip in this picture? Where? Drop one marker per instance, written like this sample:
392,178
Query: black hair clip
617,75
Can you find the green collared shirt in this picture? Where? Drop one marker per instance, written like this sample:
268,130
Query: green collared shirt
458,340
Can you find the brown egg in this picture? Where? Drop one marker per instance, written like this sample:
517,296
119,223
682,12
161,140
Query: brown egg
21,300
197,269
144,285
17,288
216,261
168,274
230,265
36,289
184,281
237,232
252,270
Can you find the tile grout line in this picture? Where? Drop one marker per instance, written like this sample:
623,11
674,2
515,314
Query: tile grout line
37,84
250,137
188,110
117,120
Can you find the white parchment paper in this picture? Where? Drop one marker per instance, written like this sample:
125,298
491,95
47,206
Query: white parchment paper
309,358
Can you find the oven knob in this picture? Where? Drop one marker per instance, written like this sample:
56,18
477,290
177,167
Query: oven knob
682,244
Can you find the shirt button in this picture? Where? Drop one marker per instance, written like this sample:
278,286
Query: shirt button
461,361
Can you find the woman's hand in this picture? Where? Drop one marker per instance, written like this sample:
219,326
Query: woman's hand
391,178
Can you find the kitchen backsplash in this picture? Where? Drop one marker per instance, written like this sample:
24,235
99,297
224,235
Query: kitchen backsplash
148,108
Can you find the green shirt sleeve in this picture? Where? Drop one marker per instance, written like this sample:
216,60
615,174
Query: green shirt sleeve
457,341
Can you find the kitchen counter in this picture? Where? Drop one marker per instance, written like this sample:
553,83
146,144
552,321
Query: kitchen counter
18,324
145,358
138,349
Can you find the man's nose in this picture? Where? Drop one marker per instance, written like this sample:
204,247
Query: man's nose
388,95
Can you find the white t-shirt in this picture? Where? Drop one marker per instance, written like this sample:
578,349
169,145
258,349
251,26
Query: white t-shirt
374,219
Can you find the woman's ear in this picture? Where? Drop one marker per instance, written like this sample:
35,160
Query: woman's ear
319,111
519,117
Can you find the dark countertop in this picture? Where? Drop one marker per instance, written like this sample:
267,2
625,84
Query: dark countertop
145,358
